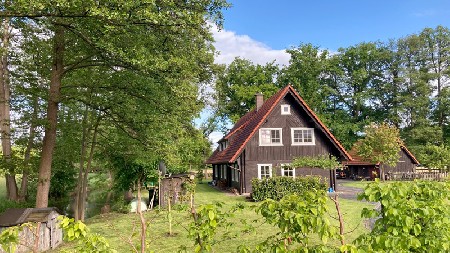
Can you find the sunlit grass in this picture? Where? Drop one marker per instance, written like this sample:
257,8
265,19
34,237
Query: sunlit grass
119,228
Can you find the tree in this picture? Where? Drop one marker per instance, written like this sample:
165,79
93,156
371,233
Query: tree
437,51
434,156
237,85
122,34
5,112
307,73
381,144
356,74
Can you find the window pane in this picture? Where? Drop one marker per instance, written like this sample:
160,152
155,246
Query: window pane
265,171
307,135
265,136
298,136
288,172
275,136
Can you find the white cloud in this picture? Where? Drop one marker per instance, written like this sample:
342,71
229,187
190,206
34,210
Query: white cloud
231,45
214,137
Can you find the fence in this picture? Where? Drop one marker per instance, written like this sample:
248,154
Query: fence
409,176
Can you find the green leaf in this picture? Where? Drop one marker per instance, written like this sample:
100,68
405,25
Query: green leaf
211,214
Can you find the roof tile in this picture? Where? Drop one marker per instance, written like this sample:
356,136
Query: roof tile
246,127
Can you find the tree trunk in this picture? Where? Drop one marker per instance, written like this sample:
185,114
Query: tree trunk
49,141
5,118
82,209
78,198
107,207
340,217
24,184
141,216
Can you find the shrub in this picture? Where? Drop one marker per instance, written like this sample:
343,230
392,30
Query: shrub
414,217
277,187
298,217
7,204
200,175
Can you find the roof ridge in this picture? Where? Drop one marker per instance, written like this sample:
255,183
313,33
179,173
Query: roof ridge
327,131
277,98
248,126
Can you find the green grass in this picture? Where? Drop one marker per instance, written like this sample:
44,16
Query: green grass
356,184
118,228
2,188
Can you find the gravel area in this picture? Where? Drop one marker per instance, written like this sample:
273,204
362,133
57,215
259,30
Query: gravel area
347,192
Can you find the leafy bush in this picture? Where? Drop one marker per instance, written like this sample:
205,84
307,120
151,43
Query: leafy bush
277,187
200,175
87,242
7,204
298,217
414,217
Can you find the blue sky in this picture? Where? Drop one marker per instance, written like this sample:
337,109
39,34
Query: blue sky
332,24
261,30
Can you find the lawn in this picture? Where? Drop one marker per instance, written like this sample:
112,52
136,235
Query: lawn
118,228
356,183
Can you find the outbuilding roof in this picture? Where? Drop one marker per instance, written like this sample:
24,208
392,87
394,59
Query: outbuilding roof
358,160
16,216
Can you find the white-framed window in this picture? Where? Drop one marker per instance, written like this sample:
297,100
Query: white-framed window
287,170
302,136
264,170
270,137
285,109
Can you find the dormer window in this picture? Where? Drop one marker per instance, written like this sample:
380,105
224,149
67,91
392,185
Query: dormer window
223,145
285,109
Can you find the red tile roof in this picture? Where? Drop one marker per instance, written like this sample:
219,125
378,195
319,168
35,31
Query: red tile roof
246,127
358,160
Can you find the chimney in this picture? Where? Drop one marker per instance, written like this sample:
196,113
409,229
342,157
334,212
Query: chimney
259,100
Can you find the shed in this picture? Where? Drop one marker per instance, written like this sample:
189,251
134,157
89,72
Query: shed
172,188
45,227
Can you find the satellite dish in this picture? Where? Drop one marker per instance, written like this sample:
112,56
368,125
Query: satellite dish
162,168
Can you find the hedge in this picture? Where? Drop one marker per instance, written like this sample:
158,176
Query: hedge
277,187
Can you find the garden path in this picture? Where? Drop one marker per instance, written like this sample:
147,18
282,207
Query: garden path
347,192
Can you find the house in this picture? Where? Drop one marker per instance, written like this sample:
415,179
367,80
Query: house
359,168
272,135
45,228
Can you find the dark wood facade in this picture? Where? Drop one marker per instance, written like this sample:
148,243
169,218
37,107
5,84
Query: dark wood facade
359,169
245,162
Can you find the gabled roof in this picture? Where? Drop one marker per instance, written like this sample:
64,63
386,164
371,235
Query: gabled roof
15,216
413,158
358,160
247,126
